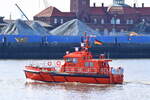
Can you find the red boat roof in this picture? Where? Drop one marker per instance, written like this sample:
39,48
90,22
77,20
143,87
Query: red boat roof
77,54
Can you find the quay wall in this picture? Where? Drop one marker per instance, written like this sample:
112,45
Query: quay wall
58,50
54,47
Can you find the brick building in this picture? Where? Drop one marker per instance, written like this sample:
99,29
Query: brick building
119,17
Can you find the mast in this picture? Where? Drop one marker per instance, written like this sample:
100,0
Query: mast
86,43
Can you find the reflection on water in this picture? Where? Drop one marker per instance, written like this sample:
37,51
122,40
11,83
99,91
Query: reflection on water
72,90
13,85
79,87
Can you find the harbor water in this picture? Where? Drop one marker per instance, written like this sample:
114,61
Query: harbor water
14,86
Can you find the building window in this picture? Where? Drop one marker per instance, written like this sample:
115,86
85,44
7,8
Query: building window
102,21
122,30
143,20
97,29
95,21
129,21
61,21
117,21
84,2
118,1
113,20
113,30
105,31
55,21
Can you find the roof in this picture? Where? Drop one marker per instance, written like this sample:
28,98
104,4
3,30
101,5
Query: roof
97,11
143,11
120,5
125,9
52,11
76,54
67,14
115,8
121,10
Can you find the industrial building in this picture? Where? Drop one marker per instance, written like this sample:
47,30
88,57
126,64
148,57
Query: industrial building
119,17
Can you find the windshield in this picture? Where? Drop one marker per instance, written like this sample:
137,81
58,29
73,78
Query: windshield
73,60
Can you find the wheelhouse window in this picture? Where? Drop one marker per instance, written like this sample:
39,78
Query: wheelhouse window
91,64
72,60
88,64
105,64
68,59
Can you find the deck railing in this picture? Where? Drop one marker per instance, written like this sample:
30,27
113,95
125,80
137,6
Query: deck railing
103,71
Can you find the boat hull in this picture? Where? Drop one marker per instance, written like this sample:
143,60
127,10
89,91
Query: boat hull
66,77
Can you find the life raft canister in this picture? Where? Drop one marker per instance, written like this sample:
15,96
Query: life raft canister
58,63
49,63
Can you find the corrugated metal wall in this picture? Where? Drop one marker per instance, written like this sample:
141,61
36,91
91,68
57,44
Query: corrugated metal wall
73,39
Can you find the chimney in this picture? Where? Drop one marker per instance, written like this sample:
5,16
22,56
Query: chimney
142,5
94,5
102,4
134,5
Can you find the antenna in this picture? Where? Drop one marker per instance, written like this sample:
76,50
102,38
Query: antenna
10,18
22,12
136,2
86,46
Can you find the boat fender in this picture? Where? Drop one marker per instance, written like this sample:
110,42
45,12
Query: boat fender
58,63
49,63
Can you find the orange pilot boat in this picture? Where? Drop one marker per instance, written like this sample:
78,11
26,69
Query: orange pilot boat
79,66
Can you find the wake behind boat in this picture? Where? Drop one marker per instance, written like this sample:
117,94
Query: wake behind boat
80,67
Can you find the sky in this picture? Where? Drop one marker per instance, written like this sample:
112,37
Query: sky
32,7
